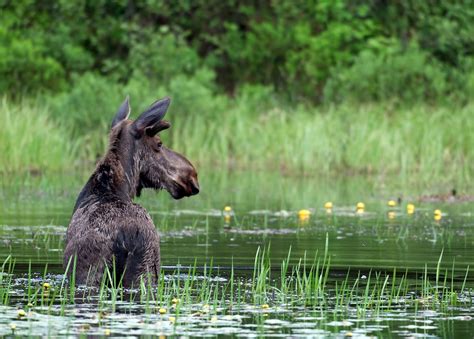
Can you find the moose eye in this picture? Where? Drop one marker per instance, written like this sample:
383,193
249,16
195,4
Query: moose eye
158,146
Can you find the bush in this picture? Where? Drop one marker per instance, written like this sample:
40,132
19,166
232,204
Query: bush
303,49
87,110
161,56
409,76
467,78
89,104
26,66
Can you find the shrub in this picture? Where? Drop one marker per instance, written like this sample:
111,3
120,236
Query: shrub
88,107
410,76
161,56
26,66
89,104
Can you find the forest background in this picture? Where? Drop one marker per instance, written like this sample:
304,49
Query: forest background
372,87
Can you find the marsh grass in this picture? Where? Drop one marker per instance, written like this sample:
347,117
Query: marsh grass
421,141
209,291
375,139
31,141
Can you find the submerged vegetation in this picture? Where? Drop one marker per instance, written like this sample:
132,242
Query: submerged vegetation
209,295
372,279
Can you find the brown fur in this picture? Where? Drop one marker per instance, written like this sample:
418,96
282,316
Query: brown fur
107,228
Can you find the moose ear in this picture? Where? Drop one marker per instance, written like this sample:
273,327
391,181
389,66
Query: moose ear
151,116
122,113
157,128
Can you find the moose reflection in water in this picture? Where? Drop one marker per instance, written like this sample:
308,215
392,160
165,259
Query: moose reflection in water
107,228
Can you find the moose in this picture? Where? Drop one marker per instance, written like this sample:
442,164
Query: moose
108,230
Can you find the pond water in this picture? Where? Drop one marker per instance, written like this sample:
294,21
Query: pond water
195,231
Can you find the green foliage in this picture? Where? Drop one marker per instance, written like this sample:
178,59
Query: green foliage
88,108
161,56
298,48
442,28
26,66
195,95
296,44
410,76
467,77
88,105
31,142
213,130
240,73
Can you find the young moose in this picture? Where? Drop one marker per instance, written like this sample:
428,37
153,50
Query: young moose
107,228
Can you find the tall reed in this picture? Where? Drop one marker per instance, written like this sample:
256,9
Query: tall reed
422,141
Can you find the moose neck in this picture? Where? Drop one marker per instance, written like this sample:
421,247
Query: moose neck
116,177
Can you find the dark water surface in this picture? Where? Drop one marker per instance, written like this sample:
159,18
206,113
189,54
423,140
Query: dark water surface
34,217
265,207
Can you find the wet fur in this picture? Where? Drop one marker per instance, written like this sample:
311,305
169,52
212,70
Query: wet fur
107,226
107,229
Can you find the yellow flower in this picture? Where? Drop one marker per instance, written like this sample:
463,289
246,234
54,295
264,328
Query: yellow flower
172,320
360,206
392,203
205,308
391,215
410,208
227,209
265,306
328,205
162,310
175,300
303,214
21,313
46,285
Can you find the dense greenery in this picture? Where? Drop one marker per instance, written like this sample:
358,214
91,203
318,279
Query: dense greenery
427,142
254,82
318,50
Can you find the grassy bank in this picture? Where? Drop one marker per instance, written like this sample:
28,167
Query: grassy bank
420,141
30,141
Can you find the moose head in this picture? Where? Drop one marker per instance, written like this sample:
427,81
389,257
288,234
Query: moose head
146,162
